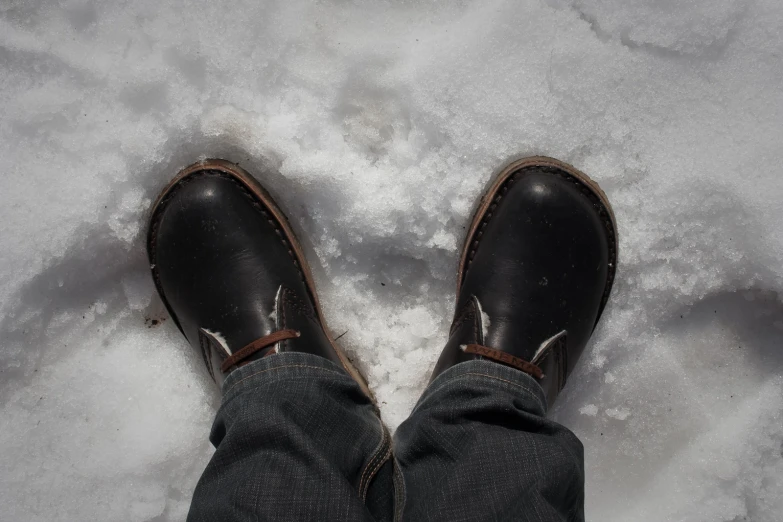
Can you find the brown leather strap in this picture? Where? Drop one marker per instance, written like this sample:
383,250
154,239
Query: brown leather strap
258,344
506,358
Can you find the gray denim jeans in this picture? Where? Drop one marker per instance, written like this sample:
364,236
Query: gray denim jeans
296,439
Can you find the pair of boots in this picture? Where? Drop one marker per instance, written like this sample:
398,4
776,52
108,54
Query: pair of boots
534,275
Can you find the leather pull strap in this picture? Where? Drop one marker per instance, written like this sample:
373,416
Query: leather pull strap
255,346
505,358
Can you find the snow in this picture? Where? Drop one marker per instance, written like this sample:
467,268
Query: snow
378,124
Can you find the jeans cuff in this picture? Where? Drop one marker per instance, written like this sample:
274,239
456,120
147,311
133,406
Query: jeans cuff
493,374
282,366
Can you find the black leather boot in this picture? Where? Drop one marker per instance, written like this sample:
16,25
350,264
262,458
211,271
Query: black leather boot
231,272
536,272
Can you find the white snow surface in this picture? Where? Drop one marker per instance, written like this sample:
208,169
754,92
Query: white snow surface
378,124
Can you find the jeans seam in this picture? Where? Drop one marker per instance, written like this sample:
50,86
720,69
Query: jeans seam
375,470
234,385
399,489
517,385
378,453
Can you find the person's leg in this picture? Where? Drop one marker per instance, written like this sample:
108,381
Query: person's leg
295,439
535,275
478,447
297,436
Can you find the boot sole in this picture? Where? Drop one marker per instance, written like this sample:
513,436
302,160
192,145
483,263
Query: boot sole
568,171
251,184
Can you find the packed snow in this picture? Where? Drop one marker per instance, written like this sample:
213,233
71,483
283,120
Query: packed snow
377,124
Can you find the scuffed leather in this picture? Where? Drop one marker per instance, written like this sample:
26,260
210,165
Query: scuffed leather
214,353
298,314
465,329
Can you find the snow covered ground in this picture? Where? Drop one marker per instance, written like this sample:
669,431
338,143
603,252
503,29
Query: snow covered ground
377,124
